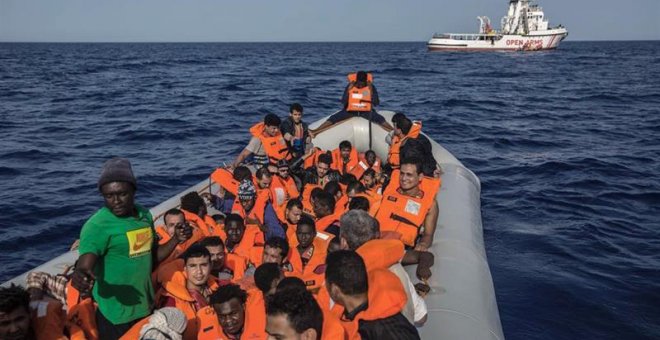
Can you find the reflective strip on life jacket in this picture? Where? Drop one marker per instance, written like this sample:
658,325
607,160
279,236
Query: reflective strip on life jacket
359,99
405,214
338,161
363,166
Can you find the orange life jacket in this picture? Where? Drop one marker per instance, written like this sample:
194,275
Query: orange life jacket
386,297
81,315
275,147
225,179
341,206
197,235
324,222
207,225
254,327
307,198
255,219
332,327
251,246
359,99
374,201
312,160
134,332
338,161
363,166
405,214
282,190
176,288
48,319
313,274
393,156
381,254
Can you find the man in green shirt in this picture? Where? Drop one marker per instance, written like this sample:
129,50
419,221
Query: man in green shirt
118,251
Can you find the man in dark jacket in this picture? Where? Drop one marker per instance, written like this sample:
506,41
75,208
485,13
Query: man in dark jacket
296,132
416,147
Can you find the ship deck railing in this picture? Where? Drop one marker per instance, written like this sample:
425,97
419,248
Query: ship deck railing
468,36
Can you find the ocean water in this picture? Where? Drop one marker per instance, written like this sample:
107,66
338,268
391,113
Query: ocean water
566,144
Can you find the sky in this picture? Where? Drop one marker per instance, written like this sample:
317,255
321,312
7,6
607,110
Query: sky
304,20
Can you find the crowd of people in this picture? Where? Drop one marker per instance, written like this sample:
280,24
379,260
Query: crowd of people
297,243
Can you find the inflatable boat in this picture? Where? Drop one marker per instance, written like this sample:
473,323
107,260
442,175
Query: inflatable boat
462,303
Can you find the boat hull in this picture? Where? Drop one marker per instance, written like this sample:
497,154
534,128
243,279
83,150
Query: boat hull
535,41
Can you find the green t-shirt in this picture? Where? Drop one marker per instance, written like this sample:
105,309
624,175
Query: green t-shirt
123,288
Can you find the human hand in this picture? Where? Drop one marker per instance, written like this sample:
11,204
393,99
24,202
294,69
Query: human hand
424,265
83,281
183,232
422,289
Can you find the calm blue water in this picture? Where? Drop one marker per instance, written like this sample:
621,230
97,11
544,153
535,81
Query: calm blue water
566,144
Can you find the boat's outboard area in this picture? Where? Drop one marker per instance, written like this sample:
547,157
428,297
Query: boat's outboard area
460,300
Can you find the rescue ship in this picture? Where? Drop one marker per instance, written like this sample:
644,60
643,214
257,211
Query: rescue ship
462,302
524,28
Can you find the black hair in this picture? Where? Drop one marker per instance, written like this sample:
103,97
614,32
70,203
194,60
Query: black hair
369,172
405,125
194,251
212,241
359,203
346,269
263,171
265,274
307,220
325,158
14,297
369,152
356,187
325,200
296,107
279,243
347,178
174,212
300,308
361,76
315,193
332,188
228,292
345,145
234,218
416,161
396,117
291,282
192,202
272,120
242,172
294,202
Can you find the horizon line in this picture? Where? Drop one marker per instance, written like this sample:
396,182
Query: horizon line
268,42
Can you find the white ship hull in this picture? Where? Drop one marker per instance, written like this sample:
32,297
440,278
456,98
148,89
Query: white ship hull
534,41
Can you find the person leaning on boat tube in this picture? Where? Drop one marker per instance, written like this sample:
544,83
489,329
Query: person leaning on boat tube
119,239
359,100
267,146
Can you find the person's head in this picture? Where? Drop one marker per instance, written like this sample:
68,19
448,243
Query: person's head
272,124
291,282
117,185
314,194
357,227
323,164
264,178
345,275
306,232
283,169
247,194
359,203
267,276
334,245
241,173
296,112
347,178
355,188
193,203
324,204
276,250
197,264
361,78
293,211
345,148
173,219
14,313
403,126
333,189
396,117
370,156
369,178
229,305
293,314
410,173
234,228
216,249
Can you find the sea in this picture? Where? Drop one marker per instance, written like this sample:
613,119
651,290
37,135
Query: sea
566,144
